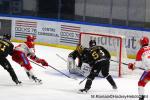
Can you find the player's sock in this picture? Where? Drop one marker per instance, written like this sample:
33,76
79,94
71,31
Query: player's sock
87,86
14,76
28,74
17,82
111,81
36,79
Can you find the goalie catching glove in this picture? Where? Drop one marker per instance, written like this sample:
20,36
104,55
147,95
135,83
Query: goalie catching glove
38,60
131,66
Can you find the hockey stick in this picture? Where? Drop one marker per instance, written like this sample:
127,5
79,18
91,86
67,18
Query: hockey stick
61,57
66,61
37,64
86,78
75,64
62,72
54,69
82,80
118,62
127,64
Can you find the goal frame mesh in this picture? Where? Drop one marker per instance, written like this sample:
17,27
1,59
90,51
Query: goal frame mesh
109,36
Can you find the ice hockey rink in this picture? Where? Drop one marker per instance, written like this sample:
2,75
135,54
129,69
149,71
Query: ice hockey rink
59,87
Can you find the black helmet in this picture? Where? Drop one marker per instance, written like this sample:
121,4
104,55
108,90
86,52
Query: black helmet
92,43
7,36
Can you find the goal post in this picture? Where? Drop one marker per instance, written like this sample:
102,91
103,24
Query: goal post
115,44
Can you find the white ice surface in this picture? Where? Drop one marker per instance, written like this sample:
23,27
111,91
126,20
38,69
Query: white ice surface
58,87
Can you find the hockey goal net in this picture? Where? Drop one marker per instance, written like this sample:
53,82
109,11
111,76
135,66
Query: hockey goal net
115,44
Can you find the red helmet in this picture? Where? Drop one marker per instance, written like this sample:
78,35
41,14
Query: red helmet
31,38
144,41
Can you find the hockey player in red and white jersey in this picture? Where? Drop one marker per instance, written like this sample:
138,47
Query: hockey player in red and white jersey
142,60
24,51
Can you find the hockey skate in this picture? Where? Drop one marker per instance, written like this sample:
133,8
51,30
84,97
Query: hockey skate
114,87
141,97
18,82
83,90
111,81
36,80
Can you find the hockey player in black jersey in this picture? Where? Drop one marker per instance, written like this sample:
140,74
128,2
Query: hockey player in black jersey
75,55
92,43
99,60
76,69
6,48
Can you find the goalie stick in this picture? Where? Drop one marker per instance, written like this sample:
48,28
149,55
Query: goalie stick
66,61
127,64
61,57
54,69
83,76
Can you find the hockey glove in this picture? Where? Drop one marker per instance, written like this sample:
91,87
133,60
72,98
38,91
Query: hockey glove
42,61
131,66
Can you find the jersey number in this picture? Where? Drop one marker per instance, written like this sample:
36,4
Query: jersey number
2,47
95,55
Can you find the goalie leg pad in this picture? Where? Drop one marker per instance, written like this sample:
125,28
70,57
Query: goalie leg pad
71,65
73,69
84,71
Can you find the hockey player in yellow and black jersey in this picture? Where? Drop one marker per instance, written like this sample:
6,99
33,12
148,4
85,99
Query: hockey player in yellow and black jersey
6,48
99,60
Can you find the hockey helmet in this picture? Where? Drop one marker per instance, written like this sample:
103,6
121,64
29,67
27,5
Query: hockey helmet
144,41
92,43
30,38
7,36
79,48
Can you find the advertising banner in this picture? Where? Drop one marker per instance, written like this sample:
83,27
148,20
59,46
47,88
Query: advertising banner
48,32
22,27
69,33
64,33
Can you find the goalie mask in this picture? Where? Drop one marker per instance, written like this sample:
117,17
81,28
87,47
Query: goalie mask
80,48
